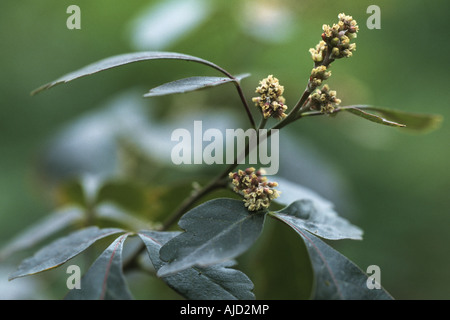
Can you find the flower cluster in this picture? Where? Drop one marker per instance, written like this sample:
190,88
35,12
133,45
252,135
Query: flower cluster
318,75
336,39
257,191
270,98
323,100
335,44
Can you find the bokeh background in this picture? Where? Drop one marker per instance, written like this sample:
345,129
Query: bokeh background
392,183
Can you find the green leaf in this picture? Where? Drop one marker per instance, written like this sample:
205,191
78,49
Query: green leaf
104,280
112,212
190,84
323,223
415,121
291,192
61,250
335,276
127,194
217,282
43,229
421,122
372,117
215,231
124,59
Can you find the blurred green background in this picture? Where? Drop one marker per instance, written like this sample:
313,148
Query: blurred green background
392,183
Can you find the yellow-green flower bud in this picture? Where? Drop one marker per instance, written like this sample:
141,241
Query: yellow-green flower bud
318,75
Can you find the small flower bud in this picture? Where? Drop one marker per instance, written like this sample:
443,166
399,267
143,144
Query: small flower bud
317,76
335,52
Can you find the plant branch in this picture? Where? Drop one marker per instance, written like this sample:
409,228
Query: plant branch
244,102
195,196
184,206
310,114
292,116
239,89
219,181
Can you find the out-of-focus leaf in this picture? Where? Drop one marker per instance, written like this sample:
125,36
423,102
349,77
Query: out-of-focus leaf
371,117
125,193
162,24
415,121
190,84
291,192
323,223
70,192
335,276
216,282
123,59
215,231
62,250
110,211
104,280
43,229
267,22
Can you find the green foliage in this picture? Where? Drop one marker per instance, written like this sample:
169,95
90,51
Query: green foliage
104,279
51,224
414,121
121,60
319,221
190,84
61,250
335,276
197,262
215,231
214,282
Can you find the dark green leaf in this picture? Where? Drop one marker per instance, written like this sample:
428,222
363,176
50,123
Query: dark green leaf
43,229
335,276
104,280
414,121
124,59
323,223
215,231
190,84
371,117
215,282
61,250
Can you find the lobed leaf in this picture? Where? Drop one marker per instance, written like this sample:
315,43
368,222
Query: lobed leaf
43,229
216,282
215,231
62,250
123,59
323,223
191,84
335,276
104,280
